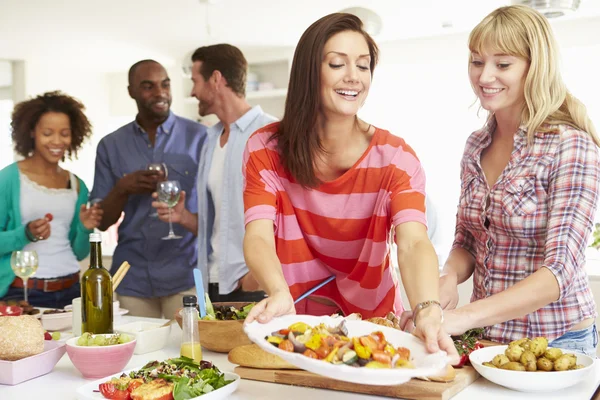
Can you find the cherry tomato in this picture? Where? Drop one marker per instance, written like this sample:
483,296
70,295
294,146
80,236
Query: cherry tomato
134,384
110,391
49,217
286,345
310,354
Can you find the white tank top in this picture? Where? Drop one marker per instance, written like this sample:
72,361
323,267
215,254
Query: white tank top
215,185
56,257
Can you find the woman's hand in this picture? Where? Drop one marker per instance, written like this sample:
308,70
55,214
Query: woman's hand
40,228
448,291
455,323
248,283
430,330
278,304
90,217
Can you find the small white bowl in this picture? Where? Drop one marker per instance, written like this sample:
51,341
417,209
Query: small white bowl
150,336
57,322
533,382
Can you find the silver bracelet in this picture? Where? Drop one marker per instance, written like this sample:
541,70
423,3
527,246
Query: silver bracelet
423,305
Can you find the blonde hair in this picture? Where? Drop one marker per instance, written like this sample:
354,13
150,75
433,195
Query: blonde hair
521,31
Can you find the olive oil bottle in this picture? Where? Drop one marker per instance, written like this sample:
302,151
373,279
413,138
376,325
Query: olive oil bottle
96,293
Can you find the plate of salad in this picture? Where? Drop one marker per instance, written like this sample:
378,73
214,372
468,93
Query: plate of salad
176,378
347,350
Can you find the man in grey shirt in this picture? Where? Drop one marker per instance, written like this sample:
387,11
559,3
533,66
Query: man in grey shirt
219,76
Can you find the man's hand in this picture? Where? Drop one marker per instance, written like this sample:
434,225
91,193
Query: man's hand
177,212
138,182
248,284
90,217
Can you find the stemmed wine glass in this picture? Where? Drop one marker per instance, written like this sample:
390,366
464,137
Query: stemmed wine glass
161,168
168,193
24,264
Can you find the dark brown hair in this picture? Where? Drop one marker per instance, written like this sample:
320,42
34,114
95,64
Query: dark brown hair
226,59
297,138
27,114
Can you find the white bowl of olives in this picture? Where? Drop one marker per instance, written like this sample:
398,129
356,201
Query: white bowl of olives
531,366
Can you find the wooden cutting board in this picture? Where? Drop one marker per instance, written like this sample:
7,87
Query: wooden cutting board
414,389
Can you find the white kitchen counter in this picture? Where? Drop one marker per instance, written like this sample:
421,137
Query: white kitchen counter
64,380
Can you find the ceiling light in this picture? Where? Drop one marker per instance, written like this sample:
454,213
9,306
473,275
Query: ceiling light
551,8
371,20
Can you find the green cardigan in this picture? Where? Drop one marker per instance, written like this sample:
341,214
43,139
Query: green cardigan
12,232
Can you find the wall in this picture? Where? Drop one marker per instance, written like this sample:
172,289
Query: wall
421,92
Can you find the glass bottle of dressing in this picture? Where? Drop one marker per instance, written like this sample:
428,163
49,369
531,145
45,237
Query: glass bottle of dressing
190,337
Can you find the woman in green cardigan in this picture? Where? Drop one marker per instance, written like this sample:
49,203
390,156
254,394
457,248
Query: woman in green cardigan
42,206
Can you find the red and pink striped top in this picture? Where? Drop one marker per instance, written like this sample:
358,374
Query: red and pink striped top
343,227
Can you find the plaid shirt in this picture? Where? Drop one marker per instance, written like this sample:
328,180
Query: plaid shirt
539,213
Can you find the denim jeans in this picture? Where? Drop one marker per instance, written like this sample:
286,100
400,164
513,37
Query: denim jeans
582,341
39,298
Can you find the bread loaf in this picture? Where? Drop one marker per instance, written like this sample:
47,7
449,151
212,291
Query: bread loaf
252,356
20,337
449,375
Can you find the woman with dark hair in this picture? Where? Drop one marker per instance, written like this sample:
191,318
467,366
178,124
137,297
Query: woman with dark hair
42,206
326,193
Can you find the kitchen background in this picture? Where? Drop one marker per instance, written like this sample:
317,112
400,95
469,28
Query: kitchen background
420,89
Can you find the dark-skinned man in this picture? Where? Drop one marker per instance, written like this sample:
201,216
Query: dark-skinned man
161,270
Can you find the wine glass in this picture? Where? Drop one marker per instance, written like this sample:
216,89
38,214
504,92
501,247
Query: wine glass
161,168
24,264
168,193
92,202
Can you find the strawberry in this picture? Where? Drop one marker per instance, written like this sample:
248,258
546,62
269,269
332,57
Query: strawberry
467,343
47,335
49,217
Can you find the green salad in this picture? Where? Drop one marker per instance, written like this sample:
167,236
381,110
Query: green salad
223,313
191,379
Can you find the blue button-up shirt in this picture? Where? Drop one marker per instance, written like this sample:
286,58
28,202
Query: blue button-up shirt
158,267
231,217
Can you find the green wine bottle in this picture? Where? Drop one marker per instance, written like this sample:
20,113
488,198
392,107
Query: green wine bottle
96,293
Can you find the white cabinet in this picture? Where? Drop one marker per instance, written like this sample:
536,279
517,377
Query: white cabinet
267,84
268,77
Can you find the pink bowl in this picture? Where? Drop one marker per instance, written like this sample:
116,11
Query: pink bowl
14,372
99,361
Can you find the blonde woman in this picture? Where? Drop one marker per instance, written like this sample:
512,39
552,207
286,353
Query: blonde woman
529,192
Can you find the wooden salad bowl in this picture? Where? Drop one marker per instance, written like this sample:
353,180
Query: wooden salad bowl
218,335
